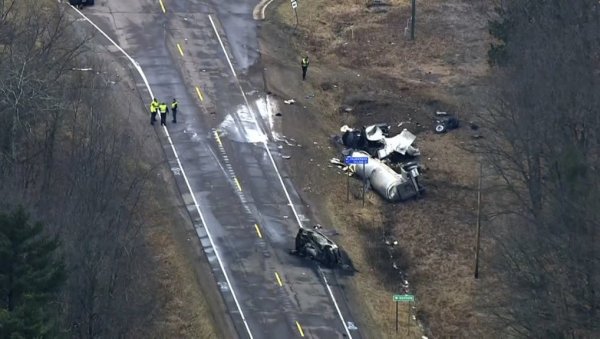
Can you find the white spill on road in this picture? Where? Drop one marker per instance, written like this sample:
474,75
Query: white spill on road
241,125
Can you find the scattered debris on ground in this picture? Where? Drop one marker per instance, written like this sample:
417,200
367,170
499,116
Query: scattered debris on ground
445,122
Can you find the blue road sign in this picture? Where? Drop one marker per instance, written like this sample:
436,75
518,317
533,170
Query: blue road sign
356,160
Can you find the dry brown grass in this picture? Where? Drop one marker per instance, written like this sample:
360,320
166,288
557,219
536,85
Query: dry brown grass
185,313
446,65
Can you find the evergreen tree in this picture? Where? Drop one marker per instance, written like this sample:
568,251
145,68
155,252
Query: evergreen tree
30,275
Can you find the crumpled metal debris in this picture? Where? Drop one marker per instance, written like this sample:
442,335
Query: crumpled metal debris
392,169
374,140
390,184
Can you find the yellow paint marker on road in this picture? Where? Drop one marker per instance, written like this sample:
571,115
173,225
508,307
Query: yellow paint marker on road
180,49
258,231
299,329
218,139
199,93
238,184
278,279
162,6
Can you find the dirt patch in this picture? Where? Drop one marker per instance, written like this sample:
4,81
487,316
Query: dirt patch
364,70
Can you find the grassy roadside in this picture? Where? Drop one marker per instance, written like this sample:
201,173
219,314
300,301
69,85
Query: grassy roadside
385,77
186,309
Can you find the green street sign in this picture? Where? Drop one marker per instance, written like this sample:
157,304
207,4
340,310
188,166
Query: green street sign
404,297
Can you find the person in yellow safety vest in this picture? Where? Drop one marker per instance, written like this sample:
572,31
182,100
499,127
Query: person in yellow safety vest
163,109
153,109
305,63
174,110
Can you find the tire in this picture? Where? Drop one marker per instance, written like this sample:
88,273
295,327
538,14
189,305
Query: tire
440,128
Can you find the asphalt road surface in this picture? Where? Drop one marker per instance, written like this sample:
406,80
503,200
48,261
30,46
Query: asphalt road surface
228,168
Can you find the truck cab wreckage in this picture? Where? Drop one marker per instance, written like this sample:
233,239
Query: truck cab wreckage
392,169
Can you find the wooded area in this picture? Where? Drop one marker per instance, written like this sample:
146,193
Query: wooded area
68,157
544,146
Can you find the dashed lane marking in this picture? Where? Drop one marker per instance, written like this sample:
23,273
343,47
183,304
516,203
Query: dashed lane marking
199,93
180,49
279,282
300,329
162,6
258,231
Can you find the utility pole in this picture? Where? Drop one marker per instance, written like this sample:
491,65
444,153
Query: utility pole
478,237
412,20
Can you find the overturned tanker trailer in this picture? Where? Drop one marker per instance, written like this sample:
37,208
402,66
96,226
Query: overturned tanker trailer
391,185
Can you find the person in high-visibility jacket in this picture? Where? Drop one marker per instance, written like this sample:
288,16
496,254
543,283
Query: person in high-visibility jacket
174,110
304,64
163,109
153,109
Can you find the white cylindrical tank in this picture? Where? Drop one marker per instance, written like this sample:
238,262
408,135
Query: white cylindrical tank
383,179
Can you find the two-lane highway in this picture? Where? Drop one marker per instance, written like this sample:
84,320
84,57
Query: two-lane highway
244,207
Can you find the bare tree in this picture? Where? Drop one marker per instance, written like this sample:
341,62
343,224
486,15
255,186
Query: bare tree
67,154
543,144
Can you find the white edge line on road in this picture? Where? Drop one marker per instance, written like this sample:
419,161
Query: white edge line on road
265,143
141,72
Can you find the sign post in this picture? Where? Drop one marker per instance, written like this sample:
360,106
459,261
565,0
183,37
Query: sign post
348,187
364,181
294,6
412,20
407,298
396,317
357,161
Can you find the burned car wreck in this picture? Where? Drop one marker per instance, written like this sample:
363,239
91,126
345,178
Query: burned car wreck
393,168
315,245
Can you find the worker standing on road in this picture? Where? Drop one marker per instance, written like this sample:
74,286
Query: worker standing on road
304,63
163,109
153,109
174,110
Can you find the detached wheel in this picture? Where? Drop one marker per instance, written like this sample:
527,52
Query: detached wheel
440,128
